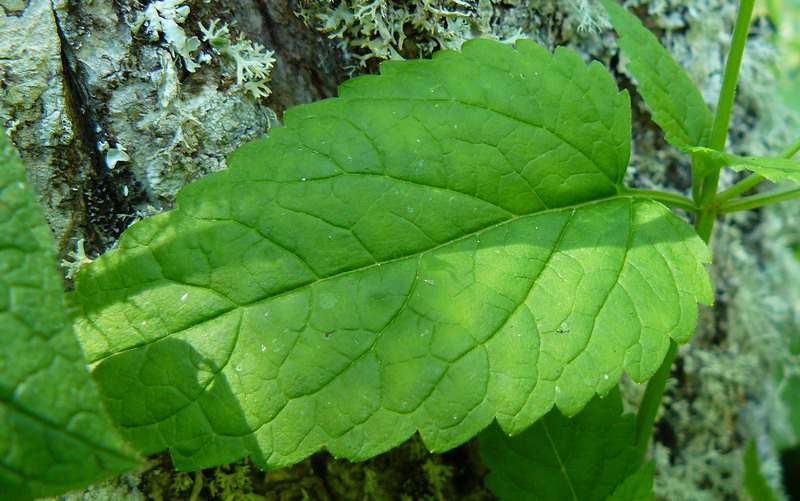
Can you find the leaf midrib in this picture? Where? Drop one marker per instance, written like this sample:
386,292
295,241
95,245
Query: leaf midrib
561,464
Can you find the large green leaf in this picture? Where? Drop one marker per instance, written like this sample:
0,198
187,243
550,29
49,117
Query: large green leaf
443,244
773,169
591,456
54,433
677,105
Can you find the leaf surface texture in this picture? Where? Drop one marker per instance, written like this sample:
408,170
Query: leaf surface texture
54,432
441,245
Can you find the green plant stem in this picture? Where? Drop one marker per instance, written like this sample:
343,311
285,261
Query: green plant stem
739,188
651,401
666,198
722,117
760,200
753,179
197,487
704,223
791,150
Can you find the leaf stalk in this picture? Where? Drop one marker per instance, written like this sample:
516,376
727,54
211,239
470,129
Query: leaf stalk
666,198
760,200
740,187
791,150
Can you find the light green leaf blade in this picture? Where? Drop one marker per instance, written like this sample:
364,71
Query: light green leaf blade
677,105
442,245
54,433
587,457
637,487
773,169
754,481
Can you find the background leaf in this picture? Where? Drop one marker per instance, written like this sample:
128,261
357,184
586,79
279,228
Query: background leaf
442,245
54,433
754,481
587,457
637,487
677,105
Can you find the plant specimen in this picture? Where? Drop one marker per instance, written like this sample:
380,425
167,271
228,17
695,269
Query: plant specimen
442,246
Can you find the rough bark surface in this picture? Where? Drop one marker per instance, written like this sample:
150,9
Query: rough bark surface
112,120
80,86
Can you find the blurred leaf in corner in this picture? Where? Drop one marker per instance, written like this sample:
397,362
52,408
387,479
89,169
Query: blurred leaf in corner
785,17
754,481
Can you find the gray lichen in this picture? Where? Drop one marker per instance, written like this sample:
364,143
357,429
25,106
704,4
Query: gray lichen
163,105
381,29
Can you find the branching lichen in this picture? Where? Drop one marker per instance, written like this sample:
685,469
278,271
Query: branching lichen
163,18
253,61
76,260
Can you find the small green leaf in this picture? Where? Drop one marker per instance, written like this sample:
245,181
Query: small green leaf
441,245
678,107
591,456
754,481
54,433
773,169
